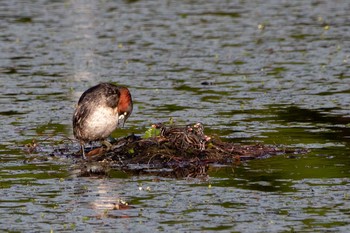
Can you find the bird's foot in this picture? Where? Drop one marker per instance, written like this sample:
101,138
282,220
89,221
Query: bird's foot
107,144
83,151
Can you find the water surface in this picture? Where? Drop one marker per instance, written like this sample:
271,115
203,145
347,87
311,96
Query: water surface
272,72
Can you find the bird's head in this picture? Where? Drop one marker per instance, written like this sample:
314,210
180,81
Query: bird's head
124,105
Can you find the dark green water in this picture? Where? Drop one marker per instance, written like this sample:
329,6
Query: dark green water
278,73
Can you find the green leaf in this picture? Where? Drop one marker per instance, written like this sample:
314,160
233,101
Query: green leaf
151,132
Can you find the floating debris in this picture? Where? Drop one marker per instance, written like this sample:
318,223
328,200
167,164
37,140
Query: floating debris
172,151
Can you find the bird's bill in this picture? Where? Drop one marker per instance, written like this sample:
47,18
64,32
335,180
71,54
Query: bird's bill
122,119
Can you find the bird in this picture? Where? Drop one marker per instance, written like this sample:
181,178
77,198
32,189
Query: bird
100,110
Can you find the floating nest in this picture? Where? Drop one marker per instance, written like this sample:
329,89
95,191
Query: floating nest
172,150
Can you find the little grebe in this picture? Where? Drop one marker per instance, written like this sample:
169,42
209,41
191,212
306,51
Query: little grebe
99,112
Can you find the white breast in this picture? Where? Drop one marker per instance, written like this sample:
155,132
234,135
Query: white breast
101,123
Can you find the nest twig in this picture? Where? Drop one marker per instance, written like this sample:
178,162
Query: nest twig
178,151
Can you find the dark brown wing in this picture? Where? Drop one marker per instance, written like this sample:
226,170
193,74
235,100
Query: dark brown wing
111,95
101,94
79,118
